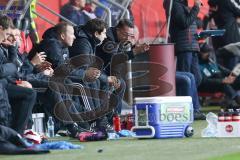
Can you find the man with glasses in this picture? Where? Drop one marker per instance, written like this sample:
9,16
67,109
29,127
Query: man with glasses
120,42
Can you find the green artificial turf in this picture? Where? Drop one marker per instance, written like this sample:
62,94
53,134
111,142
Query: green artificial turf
195,148
235,156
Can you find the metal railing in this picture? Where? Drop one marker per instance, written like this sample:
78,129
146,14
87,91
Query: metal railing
168,20
44,18
109,18
8,6
54,13
25,9
109,22
10,3
125,10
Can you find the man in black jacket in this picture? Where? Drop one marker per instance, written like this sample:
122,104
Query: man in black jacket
5,111
55,44
119,44
227,16
217,78
119,41
88,37
37,71
182,32
21,95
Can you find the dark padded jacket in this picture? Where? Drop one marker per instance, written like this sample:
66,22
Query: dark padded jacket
8,69
111,47
25,70
31,74
226,18
56,52
183,27
8,74
5,108
85,44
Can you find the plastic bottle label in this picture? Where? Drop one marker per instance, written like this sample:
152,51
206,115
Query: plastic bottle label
228,118
221,119
236,118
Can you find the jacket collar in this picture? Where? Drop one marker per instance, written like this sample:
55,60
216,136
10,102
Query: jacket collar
112,34
81,32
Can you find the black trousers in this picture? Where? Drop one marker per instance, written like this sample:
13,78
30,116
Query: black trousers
12,143
53,103
22,101
215,86
5,108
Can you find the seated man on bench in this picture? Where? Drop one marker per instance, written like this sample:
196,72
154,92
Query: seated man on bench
217,78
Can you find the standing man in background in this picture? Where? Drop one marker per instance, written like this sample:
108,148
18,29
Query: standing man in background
183,28
226,16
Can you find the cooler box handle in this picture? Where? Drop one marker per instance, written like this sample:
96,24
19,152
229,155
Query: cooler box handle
144,128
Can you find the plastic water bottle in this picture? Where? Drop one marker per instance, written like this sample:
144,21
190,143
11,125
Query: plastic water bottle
50,127
211,129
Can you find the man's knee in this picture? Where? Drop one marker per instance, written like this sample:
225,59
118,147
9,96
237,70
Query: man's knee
31,94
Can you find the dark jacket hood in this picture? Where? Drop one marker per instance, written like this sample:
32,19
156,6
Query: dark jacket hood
112,34
50,33
81,32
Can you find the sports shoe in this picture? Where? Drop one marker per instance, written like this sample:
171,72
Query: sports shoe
74,130
199,115
103,125
83,136
63,133
92,136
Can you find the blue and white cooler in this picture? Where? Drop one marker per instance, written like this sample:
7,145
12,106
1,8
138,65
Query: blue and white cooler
163,117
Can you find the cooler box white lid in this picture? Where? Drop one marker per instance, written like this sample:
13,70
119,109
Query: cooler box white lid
166,99
38,115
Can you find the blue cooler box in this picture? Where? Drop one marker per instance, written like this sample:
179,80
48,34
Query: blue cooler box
162,117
